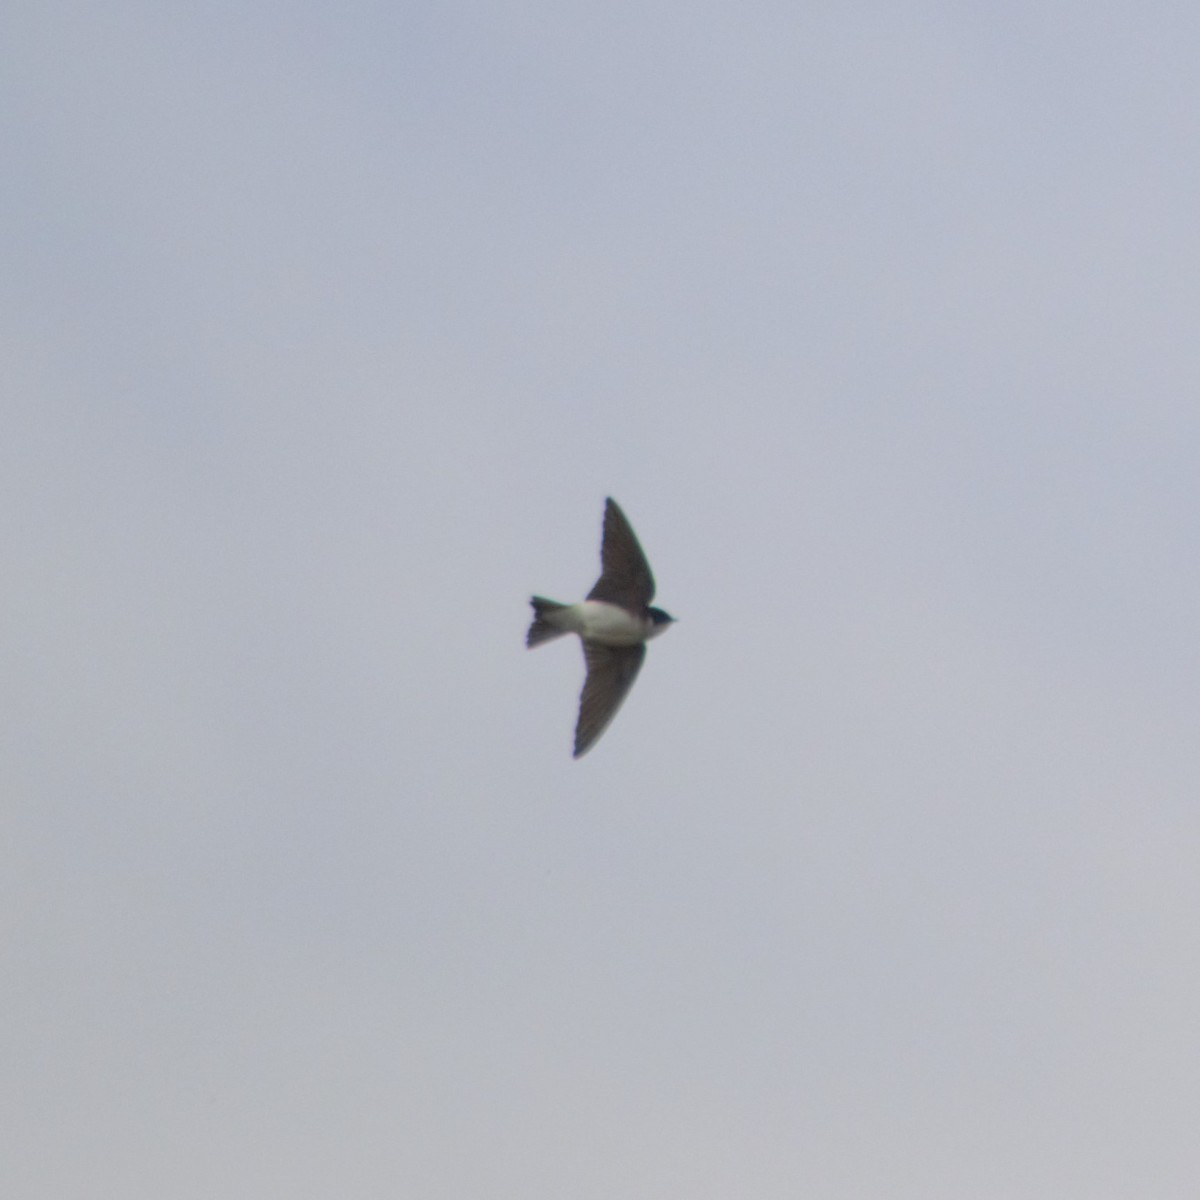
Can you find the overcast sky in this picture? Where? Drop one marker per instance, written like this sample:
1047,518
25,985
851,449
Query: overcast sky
328,328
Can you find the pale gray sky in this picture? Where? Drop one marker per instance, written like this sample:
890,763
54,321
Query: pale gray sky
327,330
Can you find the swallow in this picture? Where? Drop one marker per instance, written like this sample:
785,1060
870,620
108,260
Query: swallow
614,624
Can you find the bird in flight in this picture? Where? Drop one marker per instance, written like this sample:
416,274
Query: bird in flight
614,624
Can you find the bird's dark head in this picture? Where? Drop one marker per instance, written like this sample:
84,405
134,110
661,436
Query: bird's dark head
659,617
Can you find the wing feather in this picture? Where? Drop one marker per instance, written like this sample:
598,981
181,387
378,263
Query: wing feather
611,671
625,577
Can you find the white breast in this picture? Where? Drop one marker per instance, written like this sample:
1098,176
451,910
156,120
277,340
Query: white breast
610,624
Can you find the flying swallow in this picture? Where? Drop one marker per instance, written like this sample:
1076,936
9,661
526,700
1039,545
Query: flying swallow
614,624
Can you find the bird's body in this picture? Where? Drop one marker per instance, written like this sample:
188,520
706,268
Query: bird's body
613,623
597,621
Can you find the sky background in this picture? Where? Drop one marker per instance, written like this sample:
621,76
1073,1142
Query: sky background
328,328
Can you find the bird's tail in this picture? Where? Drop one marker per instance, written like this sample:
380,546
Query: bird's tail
544,626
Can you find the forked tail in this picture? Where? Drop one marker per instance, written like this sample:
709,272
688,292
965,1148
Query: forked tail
544,627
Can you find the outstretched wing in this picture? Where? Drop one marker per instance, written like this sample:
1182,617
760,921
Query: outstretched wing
611,671
625,577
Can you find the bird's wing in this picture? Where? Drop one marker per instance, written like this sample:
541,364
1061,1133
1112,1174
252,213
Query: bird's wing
611,671
625,577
